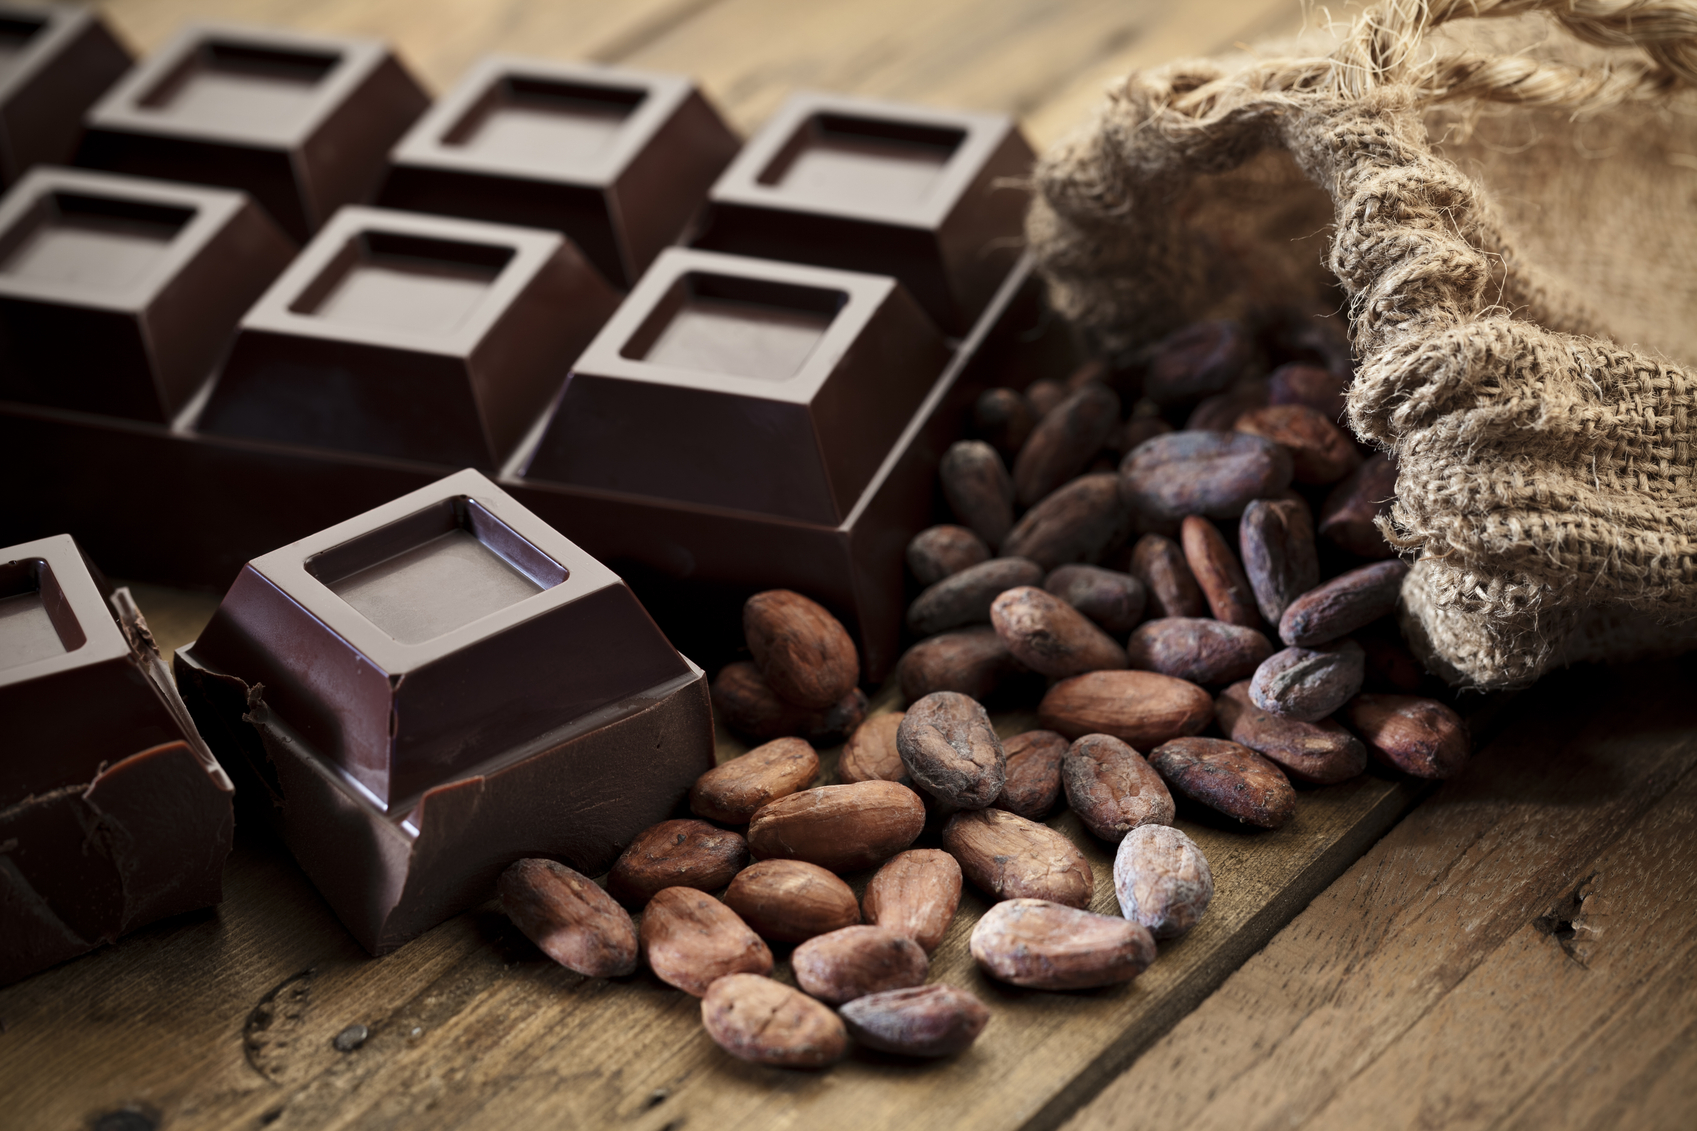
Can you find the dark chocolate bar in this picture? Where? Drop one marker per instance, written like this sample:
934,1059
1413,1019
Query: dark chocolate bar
54,62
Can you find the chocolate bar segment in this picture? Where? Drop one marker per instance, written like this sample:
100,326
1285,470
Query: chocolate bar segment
618,160
54,62
300,122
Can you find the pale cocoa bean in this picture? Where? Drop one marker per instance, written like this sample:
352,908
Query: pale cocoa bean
1112,599
1112,789
1421,737
1159,563
1312,385
1064,441
1276,539
732,791
569,919
1320,452
1078,523
1044,395
1201,359
1308,683
791,900
1218,573
1320,753
1219,412
942,551
1345,603
965,598
1003,418
680,853
840,827
1047,946
1197,649
689,939
1141,708
870,753
1049,636
1227,777
916,893
1034,773
1162,880
766,1022
951,751
978,489
1009,857
1215,474
803,652
1347,518
855,961
1134,431
745,704
928,1021
971,661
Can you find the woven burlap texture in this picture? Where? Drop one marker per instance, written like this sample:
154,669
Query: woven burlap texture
1545,473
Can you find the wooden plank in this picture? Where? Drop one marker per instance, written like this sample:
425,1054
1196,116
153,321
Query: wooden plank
1354,1003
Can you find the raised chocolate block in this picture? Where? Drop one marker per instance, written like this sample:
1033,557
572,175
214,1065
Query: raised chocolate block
420,337
619,160
300,122
746,384
929,196
118,294
54,62
436,688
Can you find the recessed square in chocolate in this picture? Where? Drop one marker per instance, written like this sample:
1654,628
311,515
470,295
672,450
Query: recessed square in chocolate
924,195
743,383
302,122
118,294
54,62
618,160
415,336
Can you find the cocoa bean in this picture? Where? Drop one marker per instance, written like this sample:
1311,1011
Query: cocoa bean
831,726
1218,573
1034,773
1064,441
1312,385
1140,708
569,919
745,704
791,900
1134,431
1009,857
1159,563
732,791
1208,473
965,598
916,893
1227,777
855,961
680,853
1049,636
803,652
951,751
928,1021
1201,359
1162,880
1345,603
1044,395
1197,649
1046,946
978,490
971,661
870,753
1003,418
840,827
766,1022
1308,683
1276,539
942,551
1420,737
1094,371
1219,412
1078,523
689,939
1391,666
1320,452
1320,753
1112,599
1112,789
1347,518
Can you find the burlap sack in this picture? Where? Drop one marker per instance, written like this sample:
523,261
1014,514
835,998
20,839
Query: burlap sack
1512,217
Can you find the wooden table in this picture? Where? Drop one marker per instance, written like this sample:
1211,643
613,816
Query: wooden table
1516,947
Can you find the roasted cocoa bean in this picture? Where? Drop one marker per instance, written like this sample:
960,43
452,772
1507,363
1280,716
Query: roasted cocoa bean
766,1022
965,598
1421,737
1162,880
569,919
971,661
1049,636
1312,385
840,827
855,961
1112,789
951,751
1214,474
1319,753
1199,360
1064,441
916,893
1009,857
1112,599
1078,523
803,652
978,489
1227,777
1218,573
689,939
1143,709
680,853
1347,518
1276,539
1320,452
1308,683
745,704
1134,431
1044,395
1034,773
733,791
1003,419
1347,602
791,900
1197,649
1219,412
942,551
1046,946
1159,563
928,1021
870,753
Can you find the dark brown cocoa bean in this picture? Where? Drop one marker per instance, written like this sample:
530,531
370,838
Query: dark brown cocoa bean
1078,523
1033,782
1112,599
1064,441
916,893
803,652
1112,789
1208,473
1418,736
972,661
1308,683
1345,603
1159,563
1199,360
1227,777
744,703
840,827
1320,452
1162,880
941,551
870,753
570,919
1219,412
928,1021
1047,946
680,853
690,940
1044,395
766,1022
791,901
1347,518
951,751
1391,666
1013,858
965,598
978,490
732,791
831,726
1141,708
1197,649
1319,753
1134,431
1312,385
1276,539
1218,573
852,962
1049,636
1003,419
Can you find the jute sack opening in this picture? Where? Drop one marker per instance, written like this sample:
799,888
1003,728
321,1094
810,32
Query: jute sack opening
1514,229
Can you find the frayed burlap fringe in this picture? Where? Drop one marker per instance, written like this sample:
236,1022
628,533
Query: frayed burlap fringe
1545,479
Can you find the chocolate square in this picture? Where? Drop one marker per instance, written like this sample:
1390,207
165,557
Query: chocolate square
619,160
54,62
415,336
928,196
301,122
118,295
